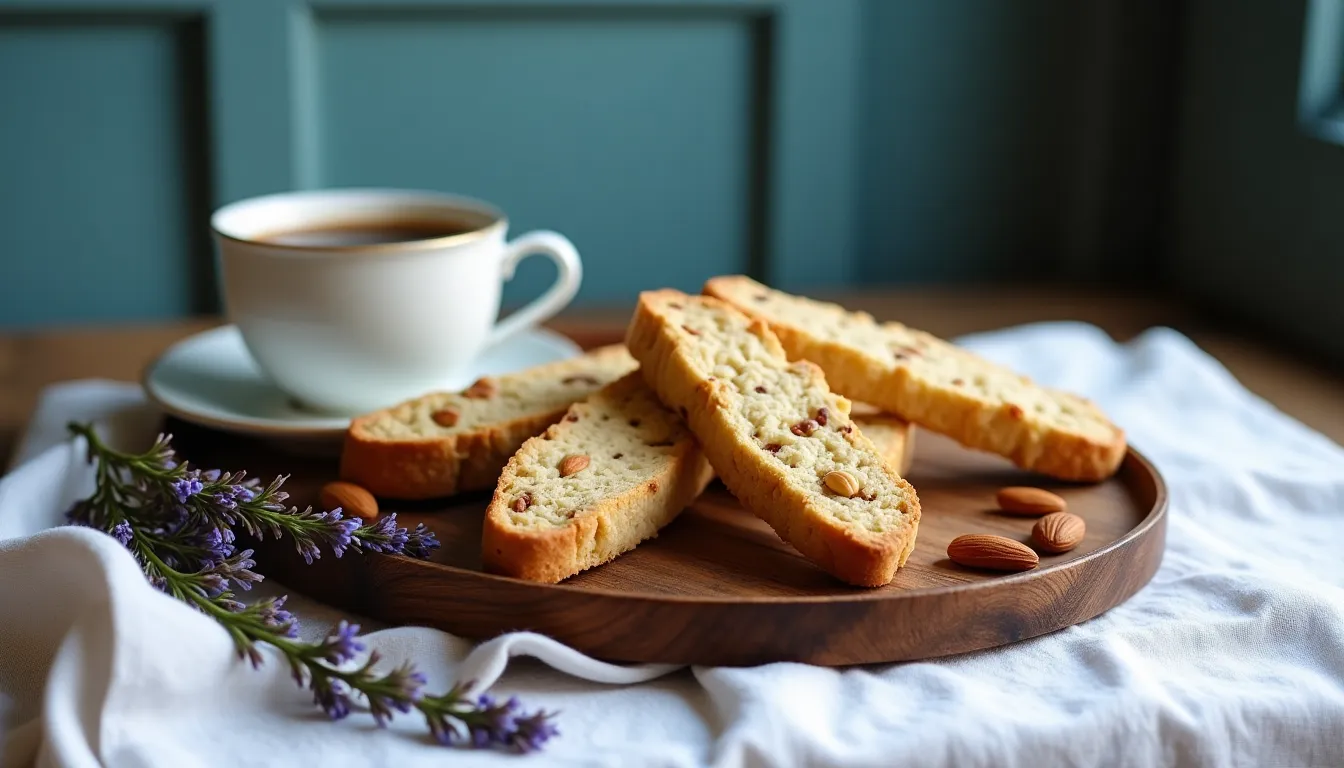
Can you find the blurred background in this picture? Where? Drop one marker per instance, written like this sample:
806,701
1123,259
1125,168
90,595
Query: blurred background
1177,149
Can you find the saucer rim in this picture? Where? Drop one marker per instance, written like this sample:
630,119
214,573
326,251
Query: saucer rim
275,428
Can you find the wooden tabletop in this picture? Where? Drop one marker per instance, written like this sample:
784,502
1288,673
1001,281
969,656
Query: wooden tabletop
30,360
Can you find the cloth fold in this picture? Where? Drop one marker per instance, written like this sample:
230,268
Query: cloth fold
1233,655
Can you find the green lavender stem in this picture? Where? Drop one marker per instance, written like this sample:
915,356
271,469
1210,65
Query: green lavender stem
167,514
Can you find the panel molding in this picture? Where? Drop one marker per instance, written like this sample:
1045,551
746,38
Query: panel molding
97,215
815,147
802,217
260,91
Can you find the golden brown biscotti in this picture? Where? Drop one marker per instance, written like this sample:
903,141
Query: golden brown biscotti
893,436
444,443
776,435
614,471
640,468
937,385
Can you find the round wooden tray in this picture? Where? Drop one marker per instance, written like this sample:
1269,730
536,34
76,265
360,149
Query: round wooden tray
718,587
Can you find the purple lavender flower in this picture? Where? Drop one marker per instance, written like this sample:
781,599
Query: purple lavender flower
273,614
275,500
122,533
214,584
339,532
343,643
180,520
230,605
406,684
421,542
332,696
442,730
238,567
533,731
216,545
413,687
487,722
384,536
497,722
187,487
308,549
320,528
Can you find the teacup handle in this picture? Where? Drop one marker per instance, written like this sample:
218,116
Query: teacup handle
566,258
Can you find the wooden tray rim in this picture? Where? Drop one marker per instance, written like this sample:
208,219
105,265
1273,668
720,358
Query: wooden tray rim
860,595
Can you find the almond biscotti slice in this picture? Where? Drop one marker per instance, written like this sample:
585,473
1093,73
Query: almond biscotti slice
633,467
614,471
893,436
443,443
778,438
937,385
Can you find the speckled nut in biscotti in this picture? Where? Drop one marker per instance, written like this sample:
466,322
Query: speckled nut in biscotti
483,389
842,483
447,442
937,385
446,417
572,465
774,431
627,467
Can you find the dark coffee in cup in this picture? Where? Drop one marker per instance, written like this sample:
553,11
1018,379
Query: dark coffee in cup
366,233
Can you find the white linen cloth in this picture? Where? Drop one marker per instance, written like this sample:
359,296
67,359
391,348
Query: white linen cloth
1233,655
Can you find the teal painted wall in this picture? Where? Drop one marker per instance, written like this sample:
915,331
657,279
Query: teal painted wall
1016,139
101,179
814,143
631,136
970,126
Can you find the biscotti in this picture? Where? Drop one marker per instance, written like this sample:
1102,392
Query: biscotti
616,469
444,443
893,436
937,385
776,435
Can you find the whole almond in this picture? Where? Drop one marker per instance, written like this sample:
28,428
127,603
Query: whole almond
446,417
352,499
841,483
482,389
1022,500
572,464
1058,532
995,553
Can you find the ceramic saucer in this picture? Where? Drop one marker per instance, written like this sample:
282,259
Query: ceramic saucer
210,379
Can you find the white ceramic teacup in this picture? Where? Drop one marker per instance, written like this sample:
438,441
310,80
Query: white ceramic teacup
356,327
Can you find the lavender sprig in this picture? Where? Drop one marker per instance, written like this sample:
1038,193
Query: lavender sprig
177,496
178,523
